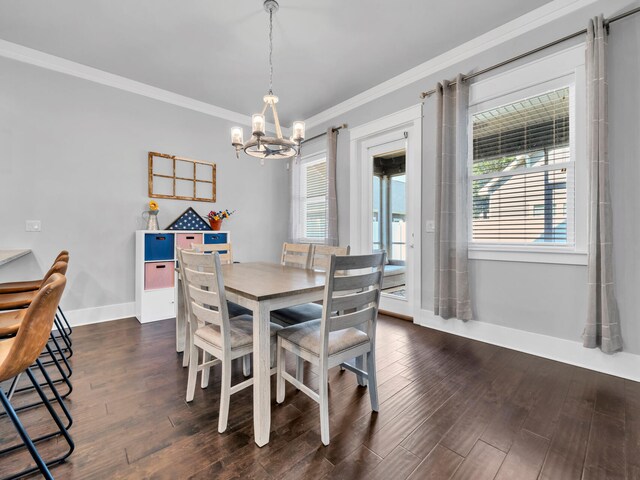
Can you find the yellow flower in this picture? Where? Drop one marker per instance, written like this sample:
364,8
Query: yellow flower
153,205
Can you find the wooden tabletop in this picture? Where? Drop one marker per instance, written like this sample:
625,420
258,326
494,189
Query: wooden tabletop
262,281
7,256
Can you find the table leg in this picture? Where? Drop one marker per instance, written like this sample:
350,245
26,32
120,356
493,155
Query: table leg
261,374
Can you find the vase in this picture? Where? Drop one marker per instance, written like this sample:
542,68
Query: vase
215,224
152,219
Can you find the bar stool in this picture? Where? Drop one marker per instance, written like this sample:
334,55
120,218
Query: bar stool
17,354
29,285
11,320
17,300
33,285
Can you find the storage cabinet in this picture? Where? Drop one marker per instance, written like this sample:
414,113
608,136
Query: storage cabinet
156,278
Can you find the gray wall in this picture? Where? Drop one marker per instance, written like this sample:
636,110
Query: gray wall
74,155
541,298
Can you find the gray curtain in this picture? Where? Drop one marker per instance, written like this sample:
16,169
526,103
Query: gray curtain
295,233
332,195
603,323
452,297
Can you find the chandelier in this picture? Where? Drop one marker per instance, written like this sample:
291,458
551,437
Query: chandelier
260,145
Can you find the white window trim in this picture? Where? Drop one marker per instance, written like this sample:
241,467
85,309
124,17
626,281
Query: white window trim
561,69
312,159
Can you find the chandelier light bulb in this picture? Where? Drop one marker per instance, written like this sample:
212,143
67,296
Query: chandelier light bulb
237,136
257,124
298,131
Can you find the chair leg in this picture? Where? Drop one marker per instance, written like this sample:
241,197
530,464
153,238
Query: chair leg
280,364
204,381
25,437
189,341
246,365
193,372
360,365
225,395
324,404
373,382
300,369
69,329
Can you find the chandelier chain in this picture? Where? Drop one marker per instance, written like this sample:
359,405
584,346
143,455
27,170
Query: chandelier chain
270,51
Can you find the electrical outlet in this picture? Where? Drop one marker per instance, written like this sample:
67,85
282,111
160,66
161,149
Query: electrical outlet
430,226
33,225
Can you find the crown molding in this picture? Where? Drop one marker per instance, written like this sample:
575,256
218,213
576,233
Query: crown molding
51,62
502,34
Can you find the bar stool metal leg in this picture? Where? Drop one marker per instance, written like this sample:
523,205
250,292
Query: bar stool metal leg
41,465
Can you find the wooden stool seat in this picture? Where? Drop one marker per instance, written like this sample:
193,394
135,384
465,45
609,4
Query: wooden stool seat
16,287
11,301
30,285
10,322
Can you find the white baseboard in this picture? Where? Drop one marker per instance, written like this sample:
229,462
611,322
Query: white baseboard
621,364
106,313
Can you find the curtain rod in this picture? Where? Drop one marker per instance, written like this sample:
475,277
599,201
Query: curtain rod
535,50
335,129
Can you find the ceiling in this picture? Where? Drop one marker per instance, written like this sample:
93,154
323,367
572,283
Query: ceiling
325,51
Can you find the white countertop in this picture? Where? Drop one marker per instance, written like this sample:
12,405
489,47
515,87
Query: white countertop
7,256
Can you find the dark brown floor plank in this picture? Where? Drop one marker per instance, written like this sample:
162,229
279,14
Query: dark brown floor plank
482,463
525,457
131,420
605,452
440,464
398,464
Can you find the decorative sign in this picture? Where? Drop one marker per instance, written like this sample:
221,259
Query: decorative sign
181,178
189,220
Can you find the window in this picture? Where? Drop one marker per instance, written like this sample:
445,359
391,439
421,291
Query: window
310,198
522,171
527,164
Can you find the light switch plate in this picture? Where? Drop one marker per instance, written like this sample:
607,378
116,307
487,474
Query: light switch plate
33,225
430,226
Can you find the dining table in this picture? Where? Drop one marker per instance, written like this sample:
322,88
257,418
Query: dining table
263,287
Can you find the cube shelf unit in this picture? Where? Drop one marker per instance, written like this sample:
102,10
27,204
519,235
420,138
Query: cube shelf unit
156,277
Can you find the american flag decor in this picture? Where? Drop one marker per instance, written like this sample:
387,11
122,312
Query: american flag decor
189,220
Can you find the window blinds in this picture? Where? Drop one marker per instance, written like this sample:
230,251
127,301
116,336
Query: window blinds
315,200
521,172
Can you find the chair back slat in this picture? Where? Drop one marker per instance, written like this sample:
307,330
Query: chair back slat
197,286
206,315
321,255
353,319
296,255
224,249
355,282
352,295
354,300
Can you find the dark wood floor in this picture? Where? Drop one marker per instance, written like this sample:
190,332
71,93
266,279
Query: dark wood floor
450,408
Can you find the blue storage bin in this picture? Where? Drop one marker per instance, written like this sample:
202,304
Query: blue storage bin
158,246
215,238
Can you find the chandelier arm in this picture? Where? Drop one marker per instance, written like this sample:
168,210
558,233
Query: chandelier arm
264,109
276,120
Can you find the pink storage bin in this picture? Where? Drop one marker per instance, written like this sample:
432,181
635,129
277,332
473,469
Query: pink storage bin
184,240
158,275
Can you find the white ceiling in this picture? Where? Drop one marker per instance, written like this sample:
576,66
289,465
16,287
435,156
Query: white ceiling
325,51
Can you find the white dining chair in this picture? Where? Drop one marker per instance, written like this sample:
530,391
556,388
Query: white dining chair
296,255
347,330
320,257
220,338
225,250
